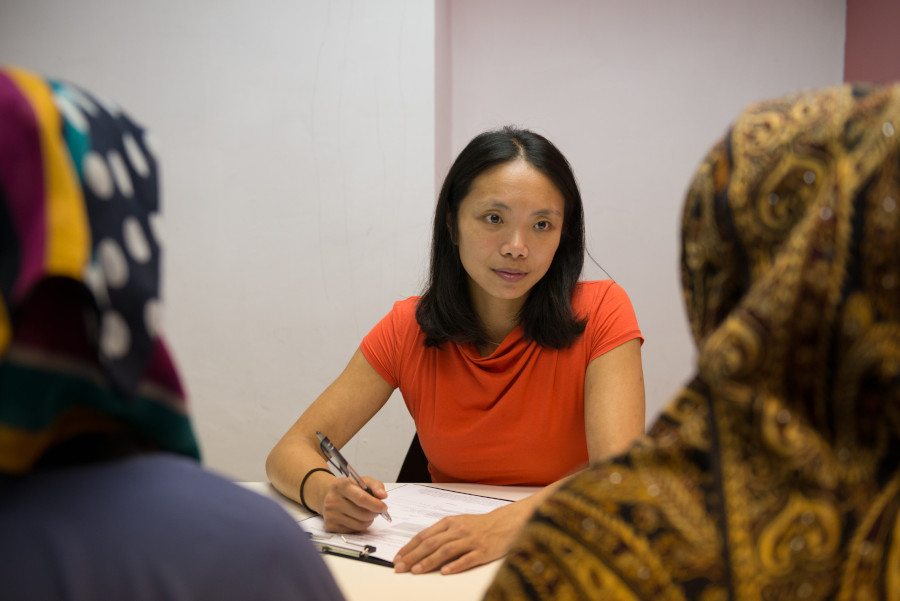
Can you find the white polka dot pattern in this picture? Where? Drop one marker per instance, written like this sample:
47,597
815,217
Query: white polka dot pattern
108,105
97,176
86,104
135,156
72,114
94,330
115,338
118,168
120,174
135,241
115,265
96,283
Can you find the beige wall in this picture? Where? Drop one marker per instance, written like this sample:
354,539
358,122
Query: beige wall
297,174
299,142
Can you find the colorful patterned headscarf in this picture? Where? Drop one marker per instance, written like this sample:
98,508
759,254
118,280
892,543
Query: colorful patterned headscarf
774,473
79,200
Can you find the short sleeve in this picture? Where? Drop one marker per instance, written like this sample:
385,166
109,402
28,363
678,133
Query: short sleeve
612,320
383,345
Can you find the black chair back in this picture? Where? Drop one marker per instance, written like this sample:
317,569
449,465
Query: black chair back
415,465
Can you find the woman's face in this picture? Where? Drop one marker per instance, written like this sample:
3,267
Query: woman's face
509,226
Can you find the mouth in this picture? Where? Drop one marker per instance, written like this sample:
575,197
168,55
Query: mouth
510,275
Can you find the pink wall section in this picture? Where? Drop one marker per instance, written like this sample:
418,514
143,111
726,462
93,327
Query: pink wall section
872,48
634,94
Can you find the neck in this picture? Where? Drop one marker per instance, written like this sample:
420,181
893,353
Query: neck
498,316
498,319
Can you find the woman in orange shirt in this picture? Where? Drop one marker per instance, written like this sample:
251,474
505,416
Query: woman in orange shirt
514,371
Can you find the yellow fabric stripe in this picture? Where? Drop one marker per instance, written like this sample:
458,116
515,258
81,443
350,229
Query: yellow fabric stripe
21,449
68,233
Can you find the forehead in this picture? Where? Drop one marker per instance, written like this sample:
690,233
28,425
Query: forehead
516,184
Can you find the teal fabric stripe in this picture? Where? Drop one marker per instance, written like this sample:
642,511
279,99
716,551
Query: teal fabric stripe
77,141
32,399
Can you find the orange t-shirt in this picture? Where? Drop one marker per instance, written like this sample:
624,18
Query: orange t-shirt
515,417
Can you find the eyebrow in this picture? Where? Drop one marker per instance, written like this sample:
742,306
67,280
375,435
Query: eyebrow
494,204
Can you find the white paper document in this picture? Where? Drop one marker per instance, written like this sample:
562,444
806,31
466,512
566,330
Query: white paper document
413,507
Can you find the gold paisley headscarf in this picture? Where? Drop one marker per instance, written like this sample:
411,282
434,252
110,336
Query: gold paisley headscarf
774,473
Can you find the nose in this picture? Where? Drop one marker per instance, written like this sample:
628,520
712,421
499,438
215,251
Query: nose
515,245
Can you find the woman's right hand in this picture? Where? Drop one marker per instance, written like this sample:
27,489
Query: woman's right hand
348,508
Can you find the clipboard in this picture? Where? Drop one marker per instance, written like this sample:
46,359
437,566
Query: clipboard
414,507
347,549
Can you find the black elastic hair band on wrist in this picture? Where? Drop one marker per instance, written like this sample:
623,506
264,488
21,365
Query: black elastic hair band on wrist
303,483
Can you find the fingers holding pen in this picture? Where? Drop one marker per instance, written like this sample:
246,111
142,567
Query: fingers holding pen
377,488
348,508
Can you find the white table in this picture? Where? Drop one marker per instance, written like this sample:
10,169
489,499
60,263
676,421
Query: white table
362,581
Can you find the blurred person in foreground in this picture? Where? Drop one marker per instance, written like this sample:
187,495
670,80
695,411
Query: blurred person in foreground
101,492
774,473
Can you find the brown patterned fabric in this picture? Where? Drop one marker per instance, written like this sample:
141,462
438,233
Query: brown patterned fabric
774,473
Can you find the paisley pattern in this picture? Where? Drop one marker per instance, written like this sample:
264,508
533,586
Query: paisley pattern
774,473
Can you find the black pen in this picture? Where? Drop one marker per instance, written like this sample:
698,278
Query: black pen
334,457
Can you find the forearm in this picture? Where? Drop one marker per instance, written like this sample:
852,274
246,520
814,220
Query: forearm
522,510
340,411
511,518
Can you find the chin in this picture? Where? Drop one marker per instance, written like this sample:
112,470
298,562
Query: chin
511,295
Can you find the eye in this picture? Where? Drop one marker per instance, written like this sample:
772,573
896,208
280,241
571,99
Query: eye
493,218
543,225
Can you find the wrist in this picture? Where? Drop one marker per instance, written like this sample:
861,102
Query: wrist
303,486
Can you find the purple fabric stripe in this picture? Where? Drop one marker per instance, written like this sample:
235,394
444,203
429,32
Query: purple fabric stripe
22,178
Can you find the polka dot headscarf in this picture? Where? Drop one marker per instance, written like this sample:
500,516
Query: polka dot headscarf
80,200
110,216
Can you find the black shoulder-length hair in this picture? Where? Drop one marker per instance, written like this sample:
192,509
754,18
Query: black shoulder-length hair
445,312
